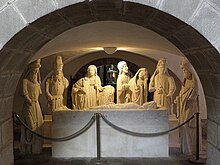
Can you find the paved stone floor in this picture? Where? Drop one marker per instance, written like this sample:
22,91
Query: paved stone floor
176,158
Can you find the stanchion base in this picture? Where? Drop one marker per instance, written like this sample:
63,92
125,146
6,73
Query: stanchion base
98,162
200,161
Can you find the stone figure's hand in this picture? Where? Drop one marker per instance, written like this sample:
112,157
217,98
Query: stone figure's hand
141,84
190,98
81,90
50,98
152,89
75,90
29,102
126,86
176,100
160,90
96,86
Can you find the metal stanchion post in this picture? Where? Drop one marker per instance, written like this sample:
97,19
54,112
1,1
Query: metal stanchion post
98,136
98,160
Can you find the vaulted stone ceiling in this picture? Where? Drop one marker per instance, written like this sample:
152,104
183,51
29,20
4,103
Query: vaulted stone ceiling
184,37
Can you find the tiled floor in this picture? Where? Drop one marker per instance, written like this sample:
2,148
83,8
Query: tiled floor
176,158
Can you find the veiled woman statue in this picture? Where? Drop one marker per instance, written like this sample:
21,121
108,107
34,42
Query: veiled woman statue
32,114
163,86
123,88
186,106
55,86
138,87
85,92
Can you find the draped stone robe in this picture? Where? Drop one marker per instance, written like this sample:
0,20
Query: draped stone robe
123,93
55,89
84,92
32,116
162,85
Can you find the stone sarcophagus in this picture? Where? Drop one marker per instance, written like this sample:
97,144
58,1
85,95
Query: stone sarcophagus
113,142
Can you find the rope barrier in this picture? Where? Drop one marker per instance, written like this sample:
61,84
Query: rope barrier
96,117
144,134
60,139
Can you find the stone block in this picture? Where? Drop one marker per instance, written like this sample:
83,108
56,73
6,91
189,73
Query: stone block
212,135
212,109
46,24
180,9
11,23
207,21
218,136
32,10
29,39
215,81
215,3
62,3
187,38
0,138
14,61
138,14
205,60
206,83
6,155
6,106
3,3
7,132
106,10
77,14
213,155
5,58
153,3
3,79
11,84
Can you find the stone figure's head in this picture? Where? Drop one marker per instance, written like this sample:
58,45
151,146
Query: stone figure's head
142,73
91,71
186,67
122,67
33,69
162,66
58,65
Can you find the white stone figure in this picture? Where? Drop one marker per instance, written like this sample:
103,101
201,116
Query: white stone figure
85,92
123,88
55,86
138,87
32,115
107,95
128,106
163,86
186,103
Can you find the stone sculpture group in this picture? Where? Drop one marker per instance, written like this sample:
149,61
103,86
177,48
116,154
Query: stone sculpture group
87,93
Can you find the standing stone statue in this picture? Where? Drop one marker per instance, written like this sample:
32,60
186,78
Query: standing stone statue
163,86
123,88
138,87
32,115
55,86
85,92
186,103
